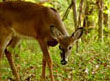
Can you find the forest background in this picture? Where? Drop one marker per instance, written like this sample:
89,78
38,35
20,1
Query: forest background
90,58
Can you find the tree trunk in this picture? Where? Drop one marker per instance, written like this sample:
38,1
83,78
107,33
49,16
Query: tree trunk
105,17
100,19
80,13
77,19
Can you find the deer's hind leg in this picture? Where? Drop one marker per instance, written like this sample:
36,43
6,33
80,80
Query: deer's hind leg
5,37
13,43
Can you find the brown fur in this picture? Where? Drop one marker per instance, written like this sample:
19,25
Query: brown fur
30,17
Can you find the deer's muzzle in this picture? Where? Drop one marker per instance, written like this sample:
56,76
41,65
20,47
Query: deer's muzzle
63,62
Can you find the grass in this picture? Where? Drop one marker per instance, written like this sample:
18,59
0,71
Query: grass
91,63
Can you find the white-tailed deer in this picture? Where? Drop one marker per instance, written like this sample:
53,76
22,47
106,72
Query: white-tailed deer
25,19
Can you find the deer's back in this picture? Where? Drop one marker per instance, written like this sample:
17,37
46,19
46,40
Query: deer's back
29,19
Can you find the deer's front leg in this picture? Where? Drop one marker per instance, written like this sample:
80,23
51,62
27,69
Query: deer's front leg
9,56
46,54
43,69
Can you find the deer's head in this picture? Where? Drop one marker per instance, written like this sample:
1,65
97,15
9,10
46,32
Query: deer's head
66,42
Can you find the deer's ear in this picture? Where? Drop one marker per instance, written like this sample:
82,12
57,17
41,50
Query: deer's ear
77,34
55,33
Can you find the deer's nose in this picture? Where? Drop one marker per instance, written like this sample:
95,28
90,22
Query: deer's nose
63,62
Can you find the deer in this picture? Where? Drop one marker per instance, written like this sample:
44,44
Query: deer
22,20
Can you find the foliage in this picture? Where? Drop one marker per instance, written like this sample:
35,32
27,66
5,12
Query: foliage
91,63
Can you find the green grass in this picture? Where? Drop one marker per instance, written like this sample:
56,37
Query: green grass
91,63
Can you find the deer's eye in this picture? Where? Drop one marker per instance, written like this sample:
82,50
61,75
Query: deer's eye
69,47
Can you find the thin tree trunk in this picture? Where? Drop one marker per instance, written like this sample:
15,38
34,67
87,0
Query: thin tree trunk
85,20
109,20
86,12
80,13
105,16
75,18
100,19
